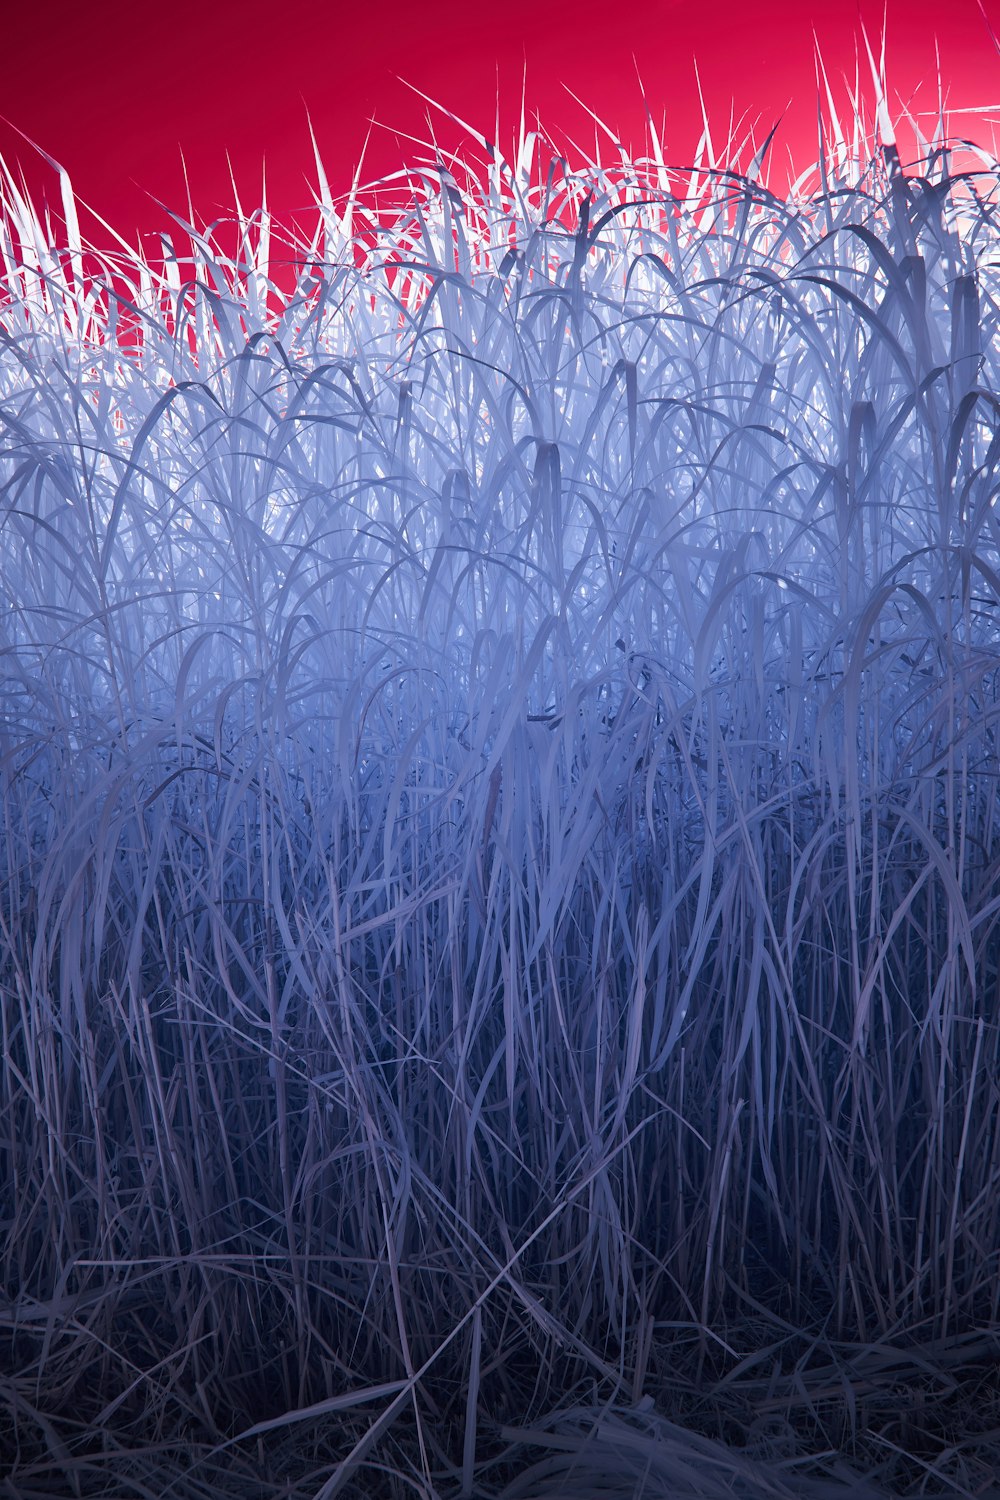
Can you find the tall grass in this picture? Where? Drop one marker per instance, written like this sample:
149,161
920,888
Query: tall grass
501,846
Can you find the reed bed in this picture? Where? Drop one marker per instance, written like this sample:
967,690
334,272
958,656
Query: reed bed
500,851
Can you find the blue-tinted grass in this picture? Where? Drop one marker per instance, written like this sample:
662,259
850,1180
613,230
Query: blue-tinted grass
499,853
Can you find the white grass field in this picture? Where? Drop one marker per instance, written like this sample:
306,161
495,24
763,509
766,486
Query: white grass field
500,839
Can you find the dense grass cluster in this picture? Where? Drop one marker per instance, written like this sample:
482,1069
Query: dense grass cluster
500,847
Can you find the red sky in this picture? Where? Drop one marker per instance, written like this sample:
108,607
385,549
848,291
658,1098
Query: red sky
116,91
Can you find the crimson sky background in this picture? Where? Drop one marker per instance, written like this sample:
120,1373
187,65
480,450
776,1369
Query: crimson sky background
115,91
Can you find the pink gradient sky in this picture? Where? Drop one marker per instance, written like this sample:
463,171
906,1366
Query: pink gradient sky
116,91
